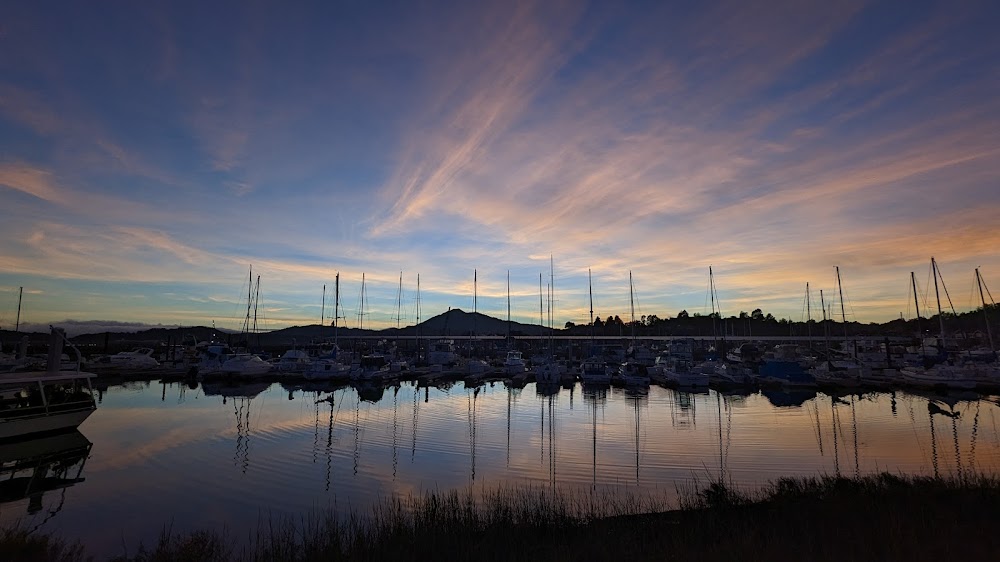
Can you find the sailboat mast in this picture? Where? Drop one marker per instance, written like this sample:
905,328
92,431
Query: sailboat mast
322,309
336,307
508,306
590,289
541,308
475,299
916,303
418,317
361,310
826,329
631,298
399,300
256,301
843,314
711,296
808,316
17,323
934,271
986,318
246,320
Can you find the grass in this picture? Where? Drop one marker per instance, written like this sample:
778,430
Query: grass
879,517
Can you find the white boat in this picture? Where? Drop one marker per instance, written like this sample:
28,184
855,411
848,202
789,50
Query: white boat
138,359
949,376
45,401
293,361
245,365
370,367
678,371
442,352
513,364
327,369
633,374
837,373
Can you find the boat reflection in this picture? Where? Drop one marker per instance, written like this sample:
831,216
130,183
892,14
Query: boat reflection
788,398
31,468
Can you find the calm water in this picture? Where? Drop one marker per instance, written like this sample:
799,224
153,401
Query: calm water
225,457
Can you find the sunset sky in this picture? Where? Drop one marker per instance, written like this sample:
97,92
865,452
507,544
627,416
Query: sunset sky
151,152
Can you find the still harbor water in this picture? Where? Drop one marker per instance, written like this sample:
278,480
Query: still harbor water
166,454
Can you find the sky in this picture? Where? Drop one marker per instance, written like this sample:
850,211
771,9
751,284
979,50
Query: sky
152,153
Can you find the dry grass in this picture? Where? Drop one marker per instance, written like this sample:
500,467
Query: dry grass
879,517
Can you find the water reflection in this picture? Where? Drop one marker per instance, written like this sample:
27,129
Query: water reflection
30,469
165,451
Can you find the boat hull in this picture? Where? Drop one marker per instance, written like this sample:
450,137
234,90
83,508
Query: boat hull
50,423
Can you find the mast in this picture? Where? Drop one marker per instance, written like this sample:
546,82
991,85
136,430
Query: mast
590,289
256,301
711,296
986,318
508,307
246,320
631,298
418,317
17,324
322,309
552,294
808,316
399,300
843,314
336,307
361,311
934,271
916,303
826,329
541,308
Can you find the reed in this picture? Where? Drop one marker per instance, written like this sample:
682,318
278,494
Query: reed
878,517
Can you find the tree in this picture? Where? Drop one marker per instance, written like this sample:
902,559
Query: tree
683,314
744,315
757,314
570,325
598,323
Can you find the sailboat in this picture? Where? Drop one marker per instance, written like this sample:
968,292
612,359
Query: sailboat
548,372
244,364
593,371
949,374
845,371
372,365
513,364
329,366
475,367
633,373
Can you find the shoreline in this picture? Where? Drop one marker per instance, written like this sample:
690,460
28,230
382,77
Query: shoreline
875,517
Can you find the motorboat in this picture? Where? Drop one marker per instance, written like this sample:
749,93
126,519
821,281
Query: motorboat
594,371
679,371
513,364
293,361
37,402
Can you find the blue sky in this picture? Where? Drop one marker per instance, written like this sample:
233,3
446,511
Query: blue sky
151,152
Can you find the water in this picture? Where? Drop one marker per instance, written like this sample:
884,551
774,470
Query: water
211,457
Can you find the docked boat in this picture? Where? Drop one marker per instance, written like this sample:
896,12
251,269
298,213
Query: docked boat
941,375
135,360
513,364
245,365
293,361
38,402
594,371
633,374
679,371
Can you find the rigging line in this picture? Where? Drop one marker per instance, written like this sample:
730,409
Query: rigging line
945,287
